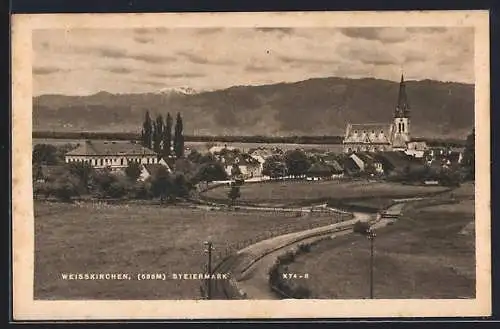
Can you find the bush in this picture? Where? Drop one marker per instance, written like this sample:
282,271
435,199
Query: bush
64,187
361,227
141,190
304,248
133,171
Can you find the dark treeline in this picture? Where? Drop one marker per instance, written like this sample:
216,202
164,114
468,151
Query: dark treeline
433,142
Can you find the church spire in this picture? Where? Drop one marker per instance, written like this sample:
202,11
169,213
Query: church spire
402,108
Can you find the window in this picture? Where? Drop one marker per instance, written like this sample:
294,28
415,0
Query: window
373,131
121,161
355,131
102,162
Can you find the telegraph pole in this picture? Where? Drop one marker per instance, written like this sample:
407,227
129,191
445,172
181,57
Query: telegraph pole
208,250
371,237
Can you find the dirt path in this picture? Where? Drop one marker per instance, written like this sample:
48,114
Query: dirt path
252,275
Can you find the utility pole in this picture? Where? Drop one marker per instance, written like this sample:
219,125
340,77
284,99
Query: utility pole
364,228
208,250
371,237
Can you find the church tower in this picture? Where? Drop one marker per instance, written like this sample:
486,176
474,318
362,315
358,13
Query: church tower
401,129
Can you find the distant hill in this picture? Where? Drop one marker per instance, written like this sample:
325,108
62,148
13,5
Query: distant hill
312,107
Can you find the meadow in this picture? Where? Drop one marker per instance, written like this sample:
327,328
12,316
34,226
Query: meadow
92,238
302,192
428,253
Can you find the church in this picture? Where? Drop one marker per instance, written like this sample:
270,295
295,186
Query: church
378,137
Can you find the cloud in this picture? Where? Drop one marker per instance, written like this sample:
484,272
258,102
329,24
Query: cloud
284,30
429,30
157,59
118,70
142,39
386,35
202,60
304,60
143,31
73,62
116,53
176,75
208,30
414,57
151,83
46,70
110,52
257,68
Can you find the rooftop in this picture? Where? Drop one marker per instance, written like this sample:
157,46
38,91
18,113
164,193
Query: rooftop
100,148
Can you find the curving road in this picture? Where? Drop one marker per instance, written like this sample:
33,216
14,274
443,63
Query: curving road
250,267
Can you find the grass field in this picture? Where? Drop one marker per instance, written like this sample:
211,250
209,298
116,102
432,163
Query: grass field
428,253
82,238
300,192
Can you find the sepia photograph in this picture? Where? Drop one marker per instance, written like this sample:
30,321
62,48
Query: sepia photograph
260,167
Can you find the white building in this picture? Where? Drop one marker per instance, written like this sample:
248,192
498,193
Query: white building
111,154
416,149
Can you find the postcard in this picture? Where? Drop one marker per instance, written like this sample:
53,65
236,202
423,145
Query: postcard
251,165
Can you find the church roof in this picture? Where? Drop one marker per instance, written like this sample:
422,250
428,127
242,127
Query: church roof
368,133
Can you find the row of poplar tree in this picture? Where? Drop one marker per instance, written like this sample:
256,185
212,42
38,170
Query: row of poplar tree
157,135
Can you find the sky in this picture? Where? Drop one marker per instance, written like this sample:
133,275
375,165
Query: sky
87,61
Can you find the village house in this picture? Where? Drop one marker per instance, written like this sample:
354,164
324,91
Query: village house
445,156
397,162
416,148
247,165
366,162
261,153
220,148
113,155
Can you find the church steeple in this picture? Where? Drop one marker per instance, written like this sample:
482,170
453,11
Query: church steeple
401,119
402,107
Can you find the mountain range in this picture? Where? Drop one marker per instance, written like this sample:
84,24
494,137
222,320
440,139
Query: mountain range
319,106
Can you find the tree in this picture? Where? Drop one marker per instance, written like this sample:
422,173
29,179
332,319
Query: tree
36,172
234,193
320,170
210,172
468,161
141,190
274,168
167,136
64,187
45,154
119,187
133,171
297,162
102,183
84,172
147,131
158,135
161,184
195,156
178,137
181,186
235,171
